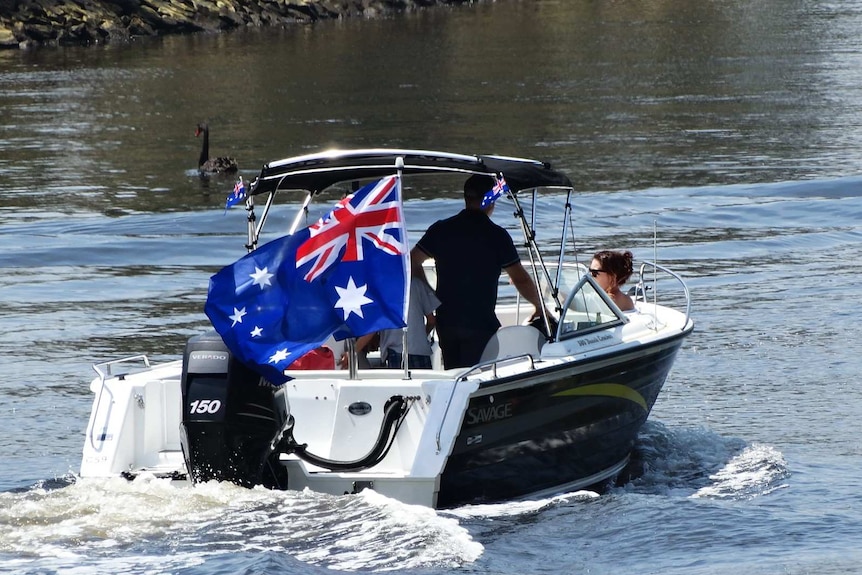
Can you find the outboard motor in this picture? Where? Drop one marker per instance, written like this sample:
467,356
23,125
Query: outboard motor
229,418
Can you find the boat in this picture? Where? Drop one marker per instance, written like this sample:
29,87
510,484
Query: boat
545,411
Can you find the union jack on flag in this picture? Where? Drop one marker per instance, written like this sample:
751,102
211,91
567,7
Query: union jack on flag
494,194
372,213
238,195
270,313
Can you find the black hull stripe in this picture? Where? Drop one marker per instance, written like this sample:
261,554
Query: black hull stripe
561,425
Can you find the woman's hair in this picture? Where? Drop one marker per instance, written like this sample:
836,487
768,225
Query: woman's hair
617,263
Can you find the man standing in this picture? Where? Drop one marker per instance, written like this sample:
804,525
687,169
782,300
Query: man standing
470,251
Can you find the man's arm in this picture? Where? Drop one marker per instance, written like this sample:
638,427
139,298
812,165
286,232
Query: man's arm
525,285
359,345
417,258
430,322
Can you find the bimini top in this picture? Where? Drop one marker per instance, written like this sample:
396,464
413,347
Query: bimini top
316,172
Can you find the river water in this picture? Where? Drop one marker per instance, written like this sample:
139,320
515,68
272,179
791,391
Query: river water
732,127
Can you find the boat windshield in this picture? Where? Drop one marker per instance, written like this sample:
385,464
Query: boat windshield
586,309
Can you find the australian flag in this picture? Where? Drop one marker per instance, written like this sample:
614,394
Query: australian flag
494,194
238,195
346,275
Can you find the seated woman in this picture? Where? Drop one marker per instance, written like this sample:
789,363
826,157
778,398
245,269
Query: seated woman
611,270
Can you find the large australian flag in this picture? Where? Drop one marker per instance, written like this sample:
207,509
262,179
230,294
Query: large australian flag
346,275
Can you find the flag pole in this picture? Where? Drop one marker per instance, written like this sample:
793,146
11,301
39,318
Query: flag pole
399,166
352,368
251,219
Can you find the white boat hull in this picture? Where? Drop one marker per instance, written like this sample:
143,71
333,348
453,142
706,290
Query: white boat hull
465,436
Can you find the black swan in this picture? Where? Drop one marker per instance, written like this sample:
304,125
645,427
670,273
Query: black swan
207,165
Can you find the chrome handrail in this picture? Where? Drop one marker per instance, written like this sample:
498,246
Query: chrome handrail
104,371
480,367
642,285
493,364
104,368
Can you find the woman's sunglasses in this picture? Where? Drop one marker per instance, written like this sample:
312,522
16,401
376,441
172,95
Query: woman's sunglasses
595,273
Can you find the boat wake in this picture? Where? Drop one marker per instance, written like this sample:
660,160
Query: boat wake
697,463
518,508
114,525
758,470
167,527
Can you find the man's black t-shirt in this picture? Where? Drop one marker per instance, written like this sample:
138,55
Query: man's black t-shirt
470,251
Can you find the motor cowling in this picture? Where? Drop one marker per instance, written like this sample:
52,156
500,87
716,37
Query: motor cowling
229,418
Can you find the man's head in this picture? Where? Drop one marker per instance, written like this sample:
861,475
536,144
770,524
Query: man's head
475,189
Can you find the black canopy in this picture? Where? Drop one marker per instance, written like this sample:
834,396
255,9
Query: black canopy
316,172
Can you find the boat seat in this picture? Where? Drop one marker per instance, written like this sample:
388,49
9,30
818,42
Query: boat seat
512,341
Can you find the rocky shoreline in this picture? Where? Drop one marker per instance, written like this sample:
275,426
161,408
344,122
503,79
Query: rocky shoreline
30,23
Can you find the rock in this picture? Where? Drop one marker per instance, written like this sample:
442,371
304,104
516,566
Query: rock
7,38
139,27
27,23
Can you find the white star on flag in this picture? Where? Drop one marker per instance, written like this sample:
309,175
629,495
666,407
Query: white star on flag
256,332
261,277
237,316
352,298
279,356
